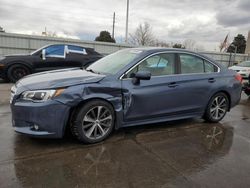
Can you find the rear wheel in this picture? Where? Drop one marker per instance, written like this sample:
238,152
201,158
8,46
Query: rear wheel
217,108
16,72
93,122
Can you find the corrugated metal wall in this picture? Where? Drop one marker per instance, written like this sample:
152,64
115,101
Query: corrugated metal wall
23,44
17,43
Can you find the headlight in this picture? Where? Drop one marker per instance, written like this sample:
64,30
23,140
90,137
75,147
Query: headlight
41,95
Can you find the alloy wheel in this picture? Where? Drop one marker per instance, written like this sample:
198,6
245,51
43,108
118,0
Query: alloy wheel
219,107
97,122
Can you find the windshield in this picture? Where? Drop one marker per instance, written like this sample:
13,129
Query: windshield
244,64
113,63
34,52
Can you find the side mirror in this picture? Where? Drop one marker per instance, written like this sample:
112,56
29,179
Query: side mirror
43,54
141,75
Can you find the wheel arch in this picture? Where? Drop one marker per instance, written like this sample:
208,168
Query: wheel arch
74,110
16,64
23,63
226,93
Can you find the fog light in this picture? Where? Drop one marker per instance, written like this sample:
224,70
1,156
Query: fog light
36,127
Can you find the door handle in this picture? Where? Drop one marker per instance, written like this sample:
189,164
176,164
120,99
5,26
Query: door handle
172,85
211,80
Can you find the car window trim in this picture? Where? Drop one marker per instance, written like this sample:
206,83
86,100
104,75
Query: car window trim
177,66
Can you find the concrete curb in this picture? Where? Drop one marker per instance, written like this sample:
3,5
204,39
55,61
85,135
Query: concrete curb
5,93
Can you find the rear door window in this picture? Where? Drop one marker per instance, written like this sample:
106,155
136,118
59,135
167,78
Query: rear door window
210,67
76,49
192,64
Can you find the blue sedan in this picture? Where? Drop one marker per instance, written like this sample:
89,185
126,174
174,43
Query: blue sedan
130,87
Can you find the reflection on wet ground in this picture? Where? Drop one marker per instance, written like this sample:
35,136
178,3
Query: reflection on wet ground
188,153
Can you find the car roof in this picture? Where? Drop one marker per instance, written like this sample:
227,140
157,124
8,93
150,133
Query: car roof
160,49
69,44
151,50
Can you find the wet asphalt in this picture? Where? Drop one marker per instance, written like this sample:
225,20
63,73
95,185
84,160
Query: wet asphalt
187,153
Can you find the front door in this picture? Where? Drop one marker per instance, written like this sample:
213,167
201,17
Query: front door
155,97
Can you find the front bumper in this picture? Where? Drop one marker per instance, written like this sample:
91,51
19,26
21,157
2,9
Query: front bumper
47,119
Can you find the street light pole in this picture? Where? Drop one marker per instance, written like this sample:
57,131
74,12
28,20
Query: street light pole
235,51
126,34
113,28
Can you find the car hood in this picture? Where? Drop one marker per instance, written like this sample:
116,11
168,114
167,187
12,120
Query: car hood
58,78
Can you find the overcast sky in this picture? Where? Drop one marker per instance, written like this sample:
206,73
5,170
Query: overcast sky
207,22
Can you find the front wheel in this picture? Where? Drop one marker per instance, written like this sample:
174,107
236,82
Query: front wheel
93,122
217,108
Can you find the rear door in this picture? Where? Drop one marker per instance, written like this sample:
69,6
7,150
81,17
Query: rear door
197,80
76,56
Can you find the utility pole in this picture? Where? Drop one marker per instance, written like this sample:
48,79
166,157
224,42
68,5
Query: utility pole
113,31
126,35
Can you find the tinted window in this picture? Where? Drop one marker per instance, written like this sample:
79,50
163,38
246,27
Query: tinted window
157,65
193,64
55,50
77,49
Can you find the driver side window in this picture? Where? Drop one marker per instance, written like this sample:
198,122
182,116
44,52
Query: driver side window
157,65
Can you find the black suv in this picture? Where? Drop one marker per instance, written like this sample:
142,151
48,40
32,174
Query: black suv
57,56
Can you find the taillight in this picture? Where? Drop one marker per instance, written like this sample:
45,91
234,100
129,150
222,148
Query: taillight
238,77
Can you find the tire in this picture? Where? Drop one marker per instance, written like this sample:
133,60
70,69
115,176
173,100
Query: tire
89,127
217,108
16,72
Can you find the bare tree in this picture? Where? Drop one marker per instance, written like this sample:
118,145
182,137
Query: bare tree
189,44
143,35
161,43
